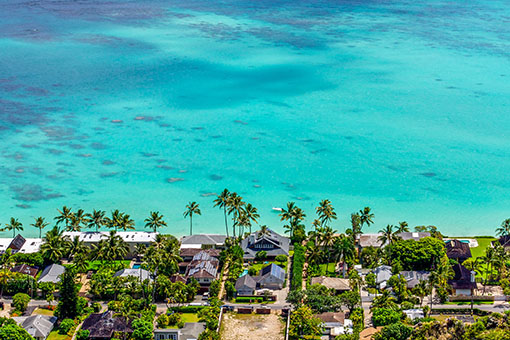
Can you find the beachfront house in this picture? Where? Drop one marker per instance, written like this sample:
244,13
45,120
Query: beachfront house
16,244
334,324
204,241
415,236
457,250
38,326
132,238
52,273
271,242
463,281
190,331
339,285
102,326
245,285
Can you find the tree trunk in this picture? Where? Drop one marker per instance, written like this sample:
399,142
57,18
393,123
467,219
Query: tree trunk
225,213
190,224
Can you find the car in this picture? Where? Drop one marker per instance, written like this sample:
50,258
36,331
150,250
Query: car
205,296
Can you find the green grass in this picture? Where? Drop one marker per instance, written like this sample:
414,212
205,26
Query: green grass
42,311
327,268
259,265
483,243
96,265
463,303
55,336
187,317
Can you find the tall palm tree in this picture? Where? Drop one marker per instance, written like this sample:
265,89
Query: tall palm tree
366,217
387,235
504,230
344,249
243,222
294,215
192,209
222,202
264,230
235,204
313,254
326,212
13,225
403,227
155,221
54,245
78,219
75,247
115,221
327,239
97,219
251,213
421,290
64,216
126,223
40,224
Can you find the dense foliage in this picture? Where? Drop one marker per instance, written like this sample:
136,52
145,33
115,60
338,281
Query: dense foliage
417,255
385,316
68,303
298,263
303,323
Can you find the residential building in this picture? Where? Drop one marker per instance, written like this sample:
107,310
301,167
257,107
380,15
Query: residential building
190,331
369,240
504,241
382,275
102,325
272,243
52,273
463,281
414,314
38,326
245,285
457,250
204,268
334,324
139,273
271,277
25,269
31,245
338,284
187,255
416,236
414,277
16,244
132,238
204,241
4,243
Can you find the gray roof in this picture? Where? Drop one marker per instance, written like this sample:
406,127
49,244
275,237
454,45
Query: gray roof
192,330
213,239
38,326
414,235
52,273
382,273
369,240
273,270
246,281
140,273
414,277
280,243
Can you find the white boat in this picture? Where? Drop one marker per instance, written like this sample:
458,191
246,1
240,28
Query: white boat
277,209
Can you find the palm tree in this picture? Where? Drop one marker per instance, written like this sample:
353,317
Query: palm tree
327,239
75,247
40,224
313,254
155,221
243,222
126,223
421,290
54,245
387,236
191,209
115,221
403,227
504,230
97,219
263,231
235,204
78,219
287,214
294,215
222,202
13,225
326,212
251,213
64,216
366,217
6,263
344,249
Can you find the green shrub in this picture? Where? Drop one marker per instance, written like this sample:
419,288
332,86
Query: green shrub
65,326
162,321
385,316
174,319
260,255
395,331
82,334
252,271
248,299
20,302
357,317
96,306
297,267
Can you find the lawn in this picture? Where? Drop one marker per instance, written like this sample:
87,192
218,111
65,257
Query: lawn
187,317
463,303
55,336
483,243
96,265
43,311
330,270
259,265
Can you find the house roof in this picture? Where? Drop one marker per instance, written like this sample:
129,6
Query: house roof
245,281
281,244
102,325
140,273
38,326
52,273
414,277
331,317
413,235
369,240
335,283
273,270
127,236
17,243
203,239
190,252
504,240
462,278
25,269
4,243
32,245
203,269
456,249
382,273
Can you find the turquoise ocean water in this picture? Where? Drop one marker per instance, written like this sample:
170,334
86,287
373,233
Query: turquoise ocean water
145,105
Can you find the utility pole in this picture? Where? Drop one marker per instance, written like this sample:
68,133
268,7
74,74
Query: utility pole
473,283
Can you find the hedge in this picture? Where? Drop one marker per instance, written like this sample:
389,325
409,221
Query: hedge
248,299
187,309
460,311
298,263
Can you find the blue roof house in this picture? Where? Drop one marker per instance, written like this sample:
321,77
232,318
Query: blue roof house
271,277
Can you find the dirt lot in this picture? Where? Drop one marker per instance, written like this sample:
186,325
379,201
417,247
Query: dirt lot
252,327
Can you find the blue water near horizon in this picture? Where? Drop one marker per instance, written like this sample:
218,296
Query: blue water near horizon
141,106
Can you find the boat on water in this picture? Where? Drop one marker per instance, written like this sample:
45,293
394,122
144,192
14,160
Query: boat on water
277,209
